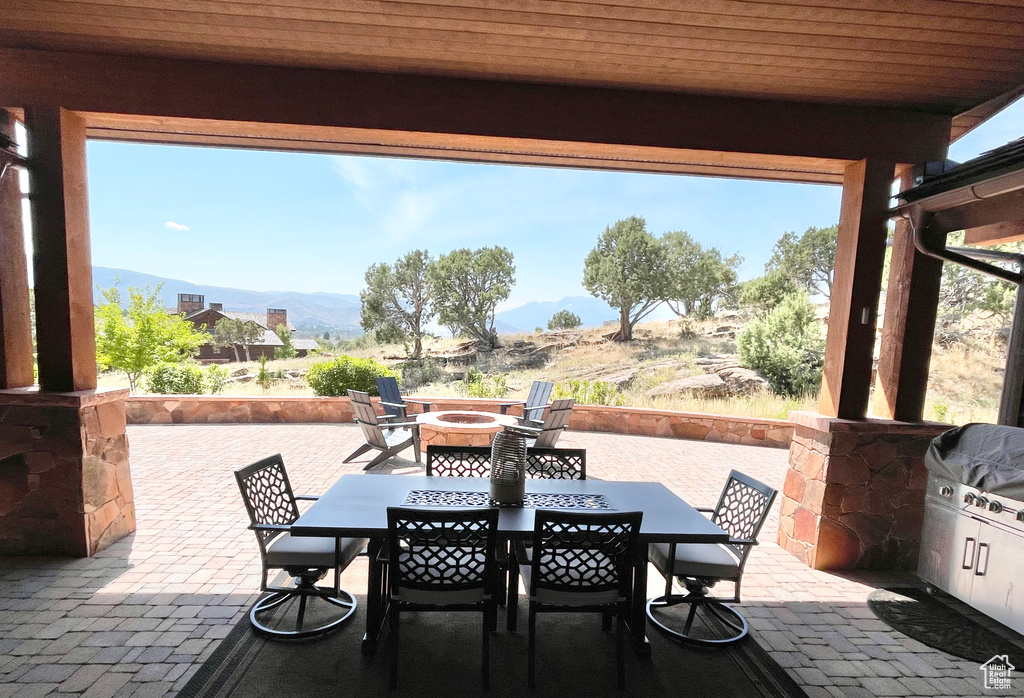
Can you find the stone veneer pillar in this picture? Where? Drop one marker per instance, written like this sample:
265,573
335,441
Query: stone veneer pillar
854,492
65,486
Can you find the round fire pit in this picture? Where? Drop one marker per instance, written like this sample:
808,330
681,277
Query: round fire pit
461,427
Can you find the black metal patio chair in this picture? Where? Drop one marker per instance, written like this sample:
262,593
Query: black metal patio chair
741,512
272,508
442,560
390,444
475,461
579,562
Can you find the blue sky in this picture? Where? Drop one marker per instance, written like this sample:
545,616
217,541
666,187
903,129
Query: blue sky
301,222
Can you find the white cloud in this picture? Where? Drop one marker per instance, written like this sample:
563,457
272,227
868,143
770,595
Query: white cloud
175,226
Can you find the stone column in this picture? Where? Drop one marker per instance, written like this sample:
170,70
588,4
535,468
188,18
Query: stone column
65,486
854,492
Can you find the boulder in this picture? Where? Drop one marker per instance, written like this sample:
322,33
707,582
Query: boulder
535,359
708,385
743,381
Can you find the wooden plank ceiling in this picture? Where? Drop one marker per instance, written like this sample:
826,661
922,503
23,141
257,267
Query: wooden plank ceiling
936,55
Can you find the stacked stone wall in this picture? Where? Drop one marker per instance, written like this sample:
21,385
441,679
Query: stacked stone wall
65,484
212,409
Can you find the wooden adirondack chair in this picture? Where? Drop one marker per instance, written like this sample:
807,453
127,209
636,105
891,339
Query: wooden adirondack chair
536,403
394,404
556,420
389,444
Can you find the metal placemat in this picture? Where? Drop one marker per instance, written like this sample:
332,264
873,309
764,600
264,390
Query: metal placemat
537,500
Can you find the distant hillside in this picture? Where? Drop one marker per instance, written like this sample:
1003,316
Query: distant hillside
592,311
335,312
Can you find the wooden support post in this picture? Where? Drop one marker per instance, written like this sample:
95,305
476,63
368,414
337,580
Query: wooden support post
860,256
62,265
15,316
911,304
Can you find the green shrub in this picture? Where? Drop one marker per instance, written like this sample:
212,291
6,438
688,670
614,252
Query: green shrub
589,392
421,372
786,346
215,377
477,385
564,320
344,373
176,379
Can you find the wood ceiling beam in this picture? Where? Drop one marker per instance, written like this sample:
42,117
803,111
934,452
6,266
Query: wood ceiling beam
464,107
322,139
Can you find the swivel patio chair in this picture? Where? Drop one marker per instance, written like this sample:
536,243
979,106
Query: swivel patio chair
555,421
272,509
390,444
442,561
741,511
396,406
578,562
475,461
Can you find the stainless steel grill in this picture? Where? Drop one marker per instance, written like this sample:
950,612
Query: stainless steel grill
972,544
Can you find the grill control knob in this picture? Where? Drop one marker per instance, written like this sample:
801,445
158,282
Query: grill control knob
995,507
946,491
980,502
968,498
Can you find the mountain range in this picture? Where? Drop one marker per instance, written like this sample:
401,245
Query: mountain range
337,312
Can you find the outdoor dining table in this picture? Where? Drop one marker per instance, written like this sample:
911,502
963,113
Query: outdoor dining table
356,506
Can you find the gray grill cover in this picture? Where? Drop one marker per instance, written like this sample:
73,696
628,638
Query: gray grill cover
985,456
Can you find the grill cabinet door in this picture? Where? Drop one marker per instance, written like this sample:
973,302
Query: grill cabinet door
949,549
998,573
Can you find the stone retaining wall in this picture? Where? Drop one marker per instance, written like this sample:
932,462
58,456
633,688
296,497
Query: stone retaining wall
218,409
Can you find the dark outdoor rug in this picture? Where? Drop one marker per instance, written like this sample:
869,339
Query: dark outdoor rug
918,614
440,655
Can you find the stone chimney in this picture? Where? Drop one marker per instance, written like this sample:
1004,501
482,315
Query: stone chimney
275,317
189,302
219,307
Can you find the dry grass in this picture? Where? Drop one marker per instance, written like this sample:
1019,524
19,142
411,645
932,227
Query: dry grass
964,381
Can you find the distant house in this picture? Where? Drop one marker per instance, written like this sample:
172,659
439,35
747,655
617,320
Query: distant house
192,306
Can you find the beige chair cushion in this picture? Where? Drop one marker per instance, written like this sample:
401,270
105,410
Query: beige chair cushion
696,560
288,551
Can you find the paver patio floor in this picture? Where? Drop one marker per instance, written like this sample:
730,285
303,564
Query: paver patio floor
140,617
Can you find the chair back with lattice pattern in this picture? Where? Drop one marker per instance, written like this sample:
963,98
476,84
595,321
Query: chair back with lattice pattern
441,551
742,510
537,400
387,386
475,461
586,553
268,496
555,421
367,418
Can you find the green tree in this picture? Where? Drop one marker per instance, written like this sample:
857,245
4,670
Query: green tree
235,332
808,259
468,285
397,301
288,350
964,290
699,278
628,269
137,338
787,346
766,292
564,320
